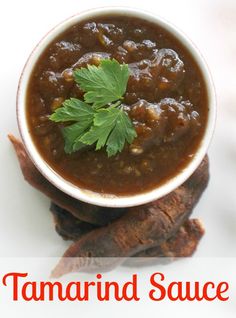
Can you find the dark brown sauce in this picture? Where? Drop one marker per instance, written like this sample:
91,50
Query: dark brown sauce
166,99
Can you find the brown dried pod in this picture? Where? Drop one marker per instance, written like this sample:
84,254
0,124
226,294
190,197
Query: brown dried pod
182,244
138,229
67,226
85,212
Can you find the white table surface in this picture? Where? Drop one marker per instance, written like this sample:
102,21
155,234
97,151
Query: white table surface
26,227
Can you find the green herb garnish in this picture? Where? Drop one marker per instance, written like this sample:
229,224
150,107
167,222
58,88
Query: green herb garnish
103,84
99,119
74,110
111,127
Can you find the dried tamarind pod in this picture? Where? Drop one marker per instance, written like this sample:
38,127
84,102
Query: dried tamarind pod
182,244
138,229
68,226
85,212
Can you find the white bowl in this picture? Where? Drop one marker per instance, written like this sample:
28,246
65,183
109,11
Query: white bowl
94,197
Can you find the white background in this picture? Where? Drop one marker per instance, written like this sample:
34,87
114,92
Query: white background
26,227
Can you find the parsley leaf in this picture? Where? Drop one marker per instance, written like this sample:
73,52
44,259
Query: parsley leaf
72,136
103,84
112,127
99,119
74,110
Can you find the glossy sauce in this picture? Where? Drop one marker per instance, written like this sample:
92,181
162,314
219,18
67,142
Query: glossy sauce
166,99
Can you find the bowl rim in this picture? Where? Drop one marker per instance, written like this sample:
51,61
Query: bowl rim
88,196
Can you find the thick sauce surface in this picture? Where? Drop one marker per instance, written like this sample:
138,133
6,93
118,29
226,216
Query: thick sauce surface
166,99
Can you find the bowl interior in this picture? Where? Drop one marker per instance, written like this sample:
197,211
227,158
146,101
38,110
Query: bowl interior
87,195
